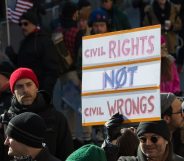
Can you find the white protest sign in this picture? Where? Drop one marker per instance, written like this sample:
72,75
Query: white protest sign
121,72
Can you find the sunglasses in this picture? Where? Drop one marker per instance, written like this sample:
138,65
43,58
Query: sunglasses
154,139
23,24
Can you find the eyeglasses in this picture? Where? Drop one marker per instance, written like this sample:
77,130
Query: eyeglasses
23,23
181,110
153,139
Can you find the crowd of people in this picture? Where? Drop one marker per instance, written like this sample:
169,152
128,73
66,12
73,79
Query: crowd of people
40,89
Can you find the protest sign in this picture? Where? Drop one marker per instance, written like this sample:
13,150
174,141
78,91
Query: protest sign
121,73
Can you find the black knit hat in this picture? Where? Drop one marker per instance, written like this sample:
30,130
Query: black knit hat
83,3
6,69
68,9
31,16
27,128
157,127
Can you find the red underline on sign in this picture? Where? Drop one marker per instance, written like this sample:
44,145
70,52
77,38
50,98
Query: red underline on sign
122,63
125,121
120,91
121,32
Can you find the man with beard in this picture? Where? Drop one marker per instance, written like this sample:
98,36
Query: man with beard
172,110
26,98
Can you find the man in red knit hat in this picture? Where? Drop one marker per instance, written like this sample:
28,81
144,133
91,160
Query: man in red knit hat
24,86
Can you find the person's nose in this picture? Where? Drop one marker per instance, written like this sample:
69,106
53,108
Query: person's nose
148,142
25,89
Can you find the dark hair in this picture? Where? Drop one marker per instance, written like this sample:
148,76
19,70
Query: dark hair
6,69
31,16
127,143
68,9
106,1
168,112
83,3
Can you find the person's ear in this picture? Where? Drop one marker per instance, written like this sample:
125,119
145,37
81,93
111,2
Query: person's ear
167,119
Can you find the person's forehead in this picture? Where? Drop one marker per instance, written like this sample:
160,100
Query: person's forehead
149,134
24,20
12,139
105,1
15,142
23,81
99,23
161,0
85,8
176,103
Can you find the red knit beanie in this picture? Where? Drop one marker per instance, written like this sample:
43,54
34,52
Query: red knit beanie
22,73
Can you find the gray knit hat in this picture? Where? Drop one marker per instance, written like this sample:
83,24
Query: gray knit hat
166,101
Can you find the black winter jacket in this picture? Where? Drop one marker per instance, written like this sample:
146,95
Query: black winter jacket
44,155
5,100
58,136
38,52
111,150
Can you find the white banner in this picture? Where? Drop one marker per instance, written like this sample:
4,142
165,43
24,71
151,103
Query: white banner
121,46
135,107
121,72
